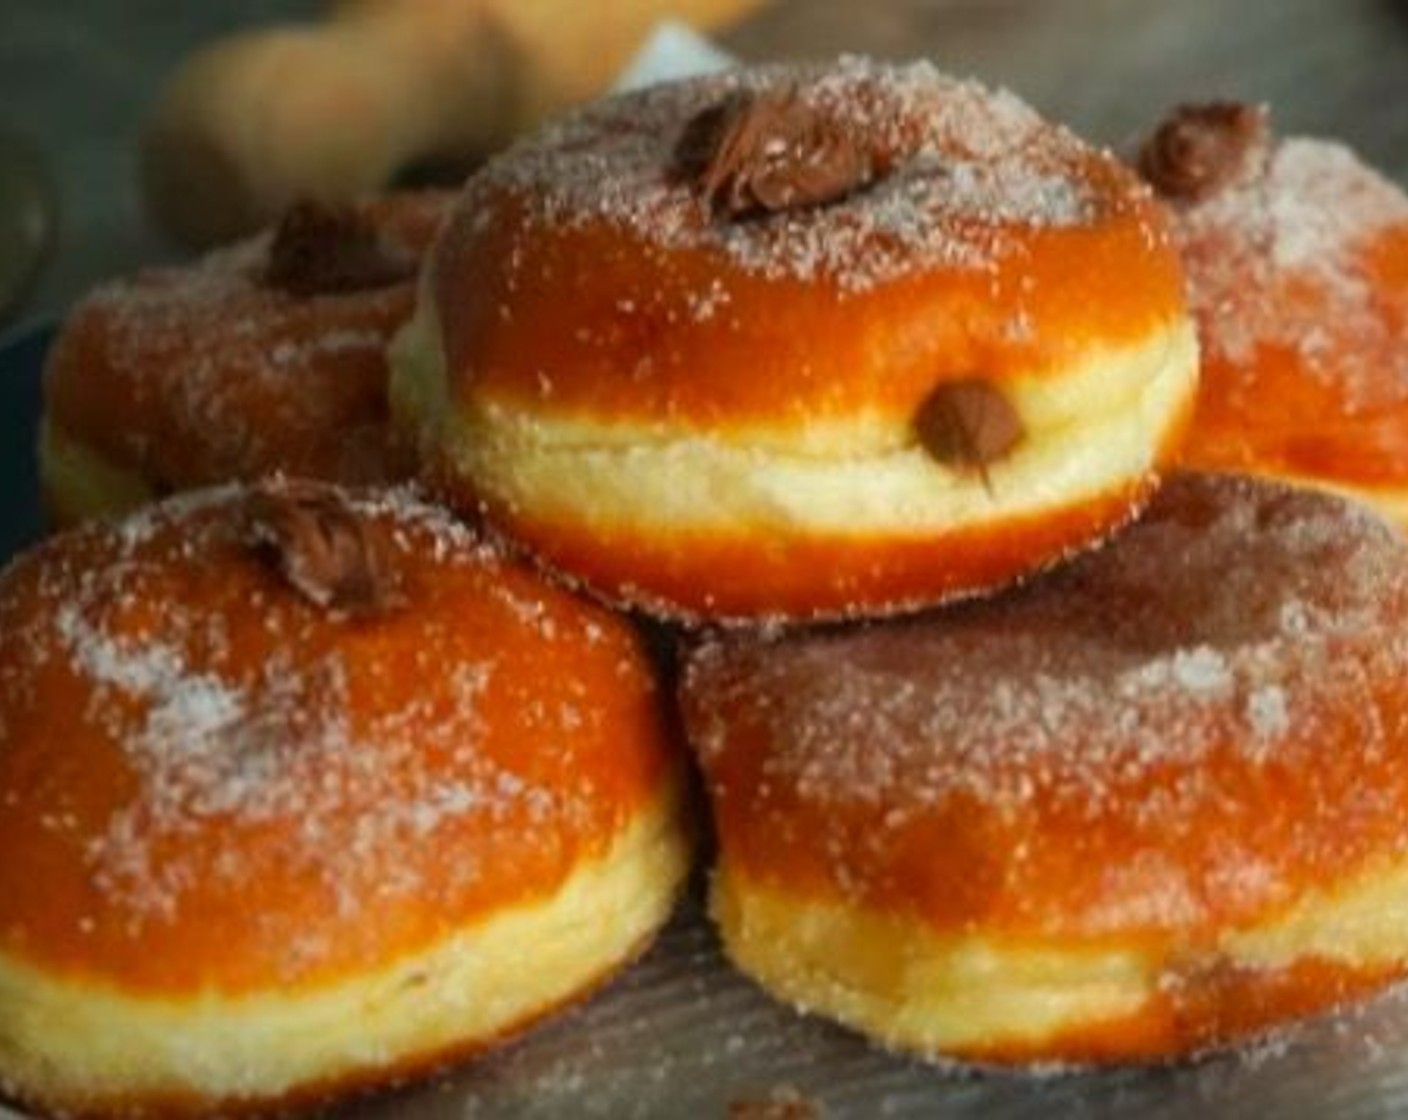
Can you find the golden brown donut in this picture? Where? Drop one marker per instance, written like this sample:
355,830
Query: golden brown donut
1153,802
302,791
799,342
267,356
1297,262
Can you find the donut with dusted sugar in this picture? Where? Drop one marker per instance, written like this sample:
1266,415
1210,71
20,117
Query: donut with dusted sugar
1151,803
1297,261
265,356
305,790
799,343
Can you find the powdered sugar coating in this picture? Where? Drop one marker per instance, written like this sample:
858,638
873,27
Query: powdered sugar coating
1277,260
964,165
1243,643
253,736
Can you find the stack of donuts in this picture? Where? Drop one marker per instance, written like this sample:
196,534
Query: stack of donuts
1047,683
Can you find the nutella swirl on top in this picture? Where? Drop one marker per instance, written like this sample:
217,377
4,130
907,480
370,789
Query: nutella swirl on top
322,548
1201,148
320,249
765,152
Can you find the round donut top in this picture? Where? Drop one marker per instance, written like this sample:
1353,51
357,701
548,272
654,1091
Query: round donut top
1191,723
957,164
1298,278
251,359
791,244
246,742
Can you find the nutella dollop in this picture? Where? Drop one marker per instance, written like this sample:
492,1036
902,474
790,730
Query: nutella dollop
320,249
321,546
1201,148
760,153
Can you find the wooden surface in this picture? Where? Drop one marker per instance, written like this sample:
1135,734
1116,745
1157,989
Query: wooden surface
79,74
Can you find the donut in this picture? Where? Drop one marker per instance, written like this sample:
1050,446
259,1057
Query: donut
798,343
267,356
1152,803
1297,263
304,790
